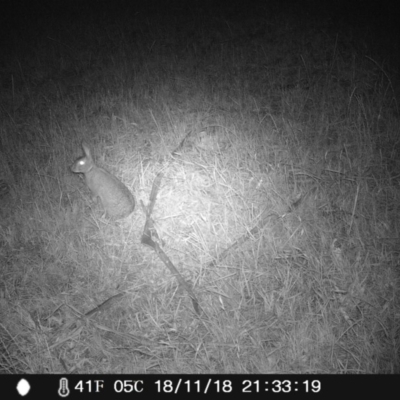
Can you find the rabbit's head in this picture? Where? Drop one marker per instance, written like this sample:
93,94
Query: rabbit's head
83,164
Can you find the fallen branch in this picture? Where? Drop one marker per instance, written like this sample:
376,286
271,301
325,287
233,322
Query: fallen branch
151,238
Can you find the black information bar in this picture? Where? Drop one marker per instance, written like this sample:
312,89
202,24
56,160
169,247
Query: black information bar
115,386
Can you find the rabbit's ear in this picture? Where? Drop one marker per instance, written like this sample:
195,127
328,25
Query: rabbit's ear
86,150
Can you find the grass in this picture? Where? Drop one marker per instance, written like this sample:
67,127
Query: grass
292,143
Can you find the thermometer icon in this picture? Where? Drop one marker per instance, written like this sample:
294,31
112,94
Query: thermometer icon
63,390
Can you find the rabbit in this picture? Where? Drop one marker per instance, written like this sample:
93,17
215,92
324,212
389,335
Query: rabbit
117,200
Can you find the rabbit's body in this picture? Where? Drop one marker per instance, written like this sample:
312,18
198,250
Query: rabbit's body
117,200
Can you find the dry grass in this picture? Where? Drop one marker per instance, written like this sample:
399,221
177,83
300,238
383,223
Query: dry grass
296,123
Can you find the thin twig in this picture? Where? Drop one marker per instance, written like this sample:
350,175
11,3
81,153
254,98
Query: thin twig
147,238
